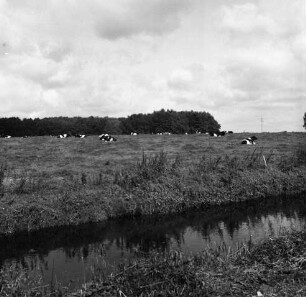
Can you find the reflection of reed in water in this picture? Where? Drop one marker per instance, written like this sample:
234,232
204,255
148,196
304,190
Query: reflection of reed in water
118,240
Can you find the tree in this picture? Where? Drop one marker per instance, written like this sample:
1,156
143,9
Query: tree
156,122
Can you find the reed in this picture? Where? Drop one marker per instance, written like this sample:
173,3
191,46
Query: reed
275,267
161,182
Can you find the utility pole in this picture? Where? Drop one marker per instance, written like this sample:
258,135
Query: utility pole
261,123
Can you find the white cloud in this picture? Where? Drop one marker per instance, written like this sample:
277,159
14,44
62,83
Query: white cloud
265,57
121,57
246,18
126,18
199,87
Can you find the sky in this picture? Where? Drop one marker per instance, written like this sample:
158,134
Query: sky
242,61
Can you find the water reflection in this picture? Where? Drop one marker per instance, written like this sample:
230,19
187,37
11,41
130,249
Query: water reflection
69,254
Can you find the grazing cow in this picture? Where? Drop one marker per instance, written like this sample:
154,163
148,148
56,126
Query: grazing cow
163,133
249,140
230,132
107,138
102,136
6,136
133,133
217,134
80,135
65,135
213,134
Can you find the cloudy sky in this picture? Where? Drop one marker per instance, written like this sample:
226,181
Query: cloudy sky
241,61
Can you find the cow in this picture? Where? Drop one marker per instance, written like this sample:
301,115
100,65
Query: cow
79,135
5,136
133,133
249,140
214,134
65,135
102,136
106,137
217,134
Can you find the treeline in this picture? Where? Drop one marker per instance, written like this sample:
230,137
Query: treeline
170,121
156,122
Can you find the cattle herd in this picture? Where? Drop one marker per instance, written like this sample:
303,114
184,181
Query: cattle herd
105,137
219,133
65,135
108,138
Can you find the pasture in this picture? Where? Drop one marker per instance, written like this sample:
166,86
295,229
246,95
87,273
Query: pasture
47,181
56,159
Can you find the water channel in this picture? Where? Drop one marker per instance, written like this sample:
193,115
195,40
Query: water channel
67,255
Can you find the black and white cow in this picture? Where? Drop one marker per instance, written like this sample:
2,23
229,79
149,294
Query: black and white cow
133,133
217,134
106,137
65,135
163,133
102,136
5,136
79,135
249,140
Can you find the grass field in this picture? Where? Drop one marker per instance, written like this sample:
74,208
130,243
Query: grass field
46,181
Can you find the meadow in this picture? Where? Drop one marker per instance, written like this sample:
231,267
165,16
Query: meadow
49,182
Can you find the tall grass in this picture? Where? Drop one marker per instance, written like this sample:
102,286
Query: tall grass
154,183
275,267
2,175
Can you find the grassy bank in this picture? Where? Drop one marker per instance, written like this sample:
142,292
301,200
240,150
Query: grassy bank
48,182
276,267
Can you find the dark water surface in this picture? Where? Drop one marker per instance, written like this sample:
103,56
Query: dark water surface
68,255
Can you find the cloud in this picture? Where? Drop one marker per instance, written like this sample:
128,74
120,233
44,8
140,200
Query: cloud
181,79
18,97
266,52
127,56
127,18
245,19
198,86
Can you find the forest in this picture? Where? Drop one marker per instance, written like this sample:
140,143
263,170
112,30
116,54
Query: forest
157,122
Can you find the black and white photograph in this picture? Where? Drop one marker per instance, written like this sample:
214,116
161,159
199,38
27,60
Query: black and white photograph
152,148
